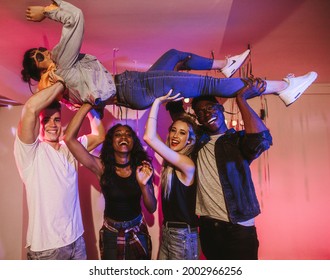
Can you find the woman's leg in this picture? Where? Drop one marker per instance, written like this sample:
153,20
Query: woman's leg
174,60
163,253
108,244
290,88
137,90
189,61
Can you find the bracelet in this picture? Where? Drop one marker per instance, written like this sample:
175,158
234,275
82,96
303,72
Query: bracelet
152,118
62,82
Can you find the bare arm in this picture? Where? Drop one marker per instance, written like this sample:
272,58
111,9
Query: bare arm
182,163
143,175
77,149
28,127
97,135
252,122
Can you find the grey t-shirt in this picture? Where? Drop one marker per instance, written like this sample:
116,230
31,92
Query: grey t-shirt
210,200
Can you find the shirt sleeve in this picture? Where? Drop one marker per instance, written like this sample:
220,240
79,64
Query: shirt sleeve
66,52
254,144
24,154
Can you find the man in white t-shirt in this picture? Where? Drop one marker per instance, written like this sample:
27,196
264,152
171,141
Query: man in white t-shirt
49,173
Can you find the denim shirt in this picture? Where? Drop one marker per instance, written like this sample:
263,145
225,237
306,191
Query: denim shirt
234,152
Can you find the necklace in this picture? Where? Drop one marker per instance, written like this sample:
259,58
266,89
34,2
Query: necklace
122,165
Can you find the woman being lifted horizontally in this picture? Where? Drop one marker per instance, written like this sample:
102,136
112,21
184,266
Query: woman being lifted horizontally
87,80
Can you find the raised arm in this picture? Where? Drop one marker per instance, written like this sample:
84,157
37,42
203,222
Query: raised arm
77,149
66,52
97,135
252,122
181,162
28,127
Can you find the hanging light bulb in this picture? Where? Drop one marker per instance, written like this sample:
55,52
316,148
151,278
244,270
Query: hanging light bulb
186,100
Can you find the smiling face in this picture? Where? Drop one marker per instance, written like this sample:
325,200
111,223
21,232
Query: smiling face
123,140
210,116
178,135
50,126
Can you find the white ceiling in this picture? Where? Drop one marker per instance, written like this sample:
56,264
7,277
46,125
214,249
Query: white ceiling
286,36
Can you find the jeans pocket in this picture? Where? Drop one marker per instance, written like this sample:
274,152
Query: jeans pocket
42,255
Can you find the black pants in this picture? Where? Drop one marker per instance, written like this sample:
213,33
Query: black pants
226,241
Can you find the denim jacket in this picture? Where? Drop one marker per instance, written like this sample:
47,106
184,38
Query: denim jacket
234,151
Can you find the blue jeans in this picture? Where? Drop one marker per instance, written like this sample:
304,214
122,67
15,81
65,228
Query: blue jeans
108,241
73,251
179,244
226,241
188,61
138,90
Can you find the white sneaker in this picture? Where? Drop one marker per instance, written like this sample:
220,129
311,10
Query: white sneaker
296,87
234,63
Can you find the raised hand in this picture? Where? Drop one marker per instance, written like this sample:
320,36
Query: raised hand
252,88
144,173
168,97
35,13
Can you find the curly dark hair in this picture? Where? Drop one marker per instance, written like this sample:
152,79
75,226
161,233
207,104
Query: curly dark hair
30,69
107,156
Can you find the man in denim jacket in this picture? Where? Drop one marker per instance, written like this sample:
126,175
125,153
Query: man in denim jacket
226,200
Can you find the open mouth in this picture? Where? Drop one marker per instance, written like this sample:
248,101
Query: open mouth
175,143
211,120
54,132
122,143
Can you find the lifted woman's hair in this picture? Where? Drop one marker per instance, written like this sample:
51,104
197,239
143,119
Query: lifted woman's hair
30,69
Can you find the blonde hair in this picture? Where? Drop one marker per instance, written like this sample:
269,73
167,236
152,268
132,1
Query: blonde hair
167,169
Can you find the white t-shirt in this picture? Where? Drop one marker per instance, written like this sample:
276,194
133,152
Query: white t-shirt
51,181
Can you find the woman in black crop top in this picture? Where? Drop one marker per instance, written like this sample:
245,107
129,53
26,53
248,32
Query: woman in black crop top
179,229
125,172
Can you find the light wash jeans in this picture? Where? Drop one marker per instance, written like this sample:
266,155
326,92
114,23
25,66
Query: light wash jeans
179,244
73,251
